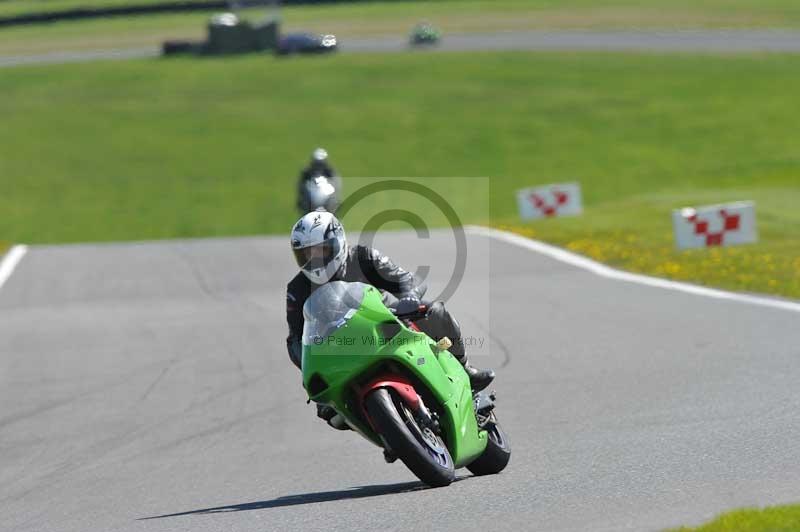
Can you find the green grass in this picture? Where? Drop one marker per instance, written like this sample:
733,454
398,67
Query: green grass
378,18
757,11
774,519
22,7
181,148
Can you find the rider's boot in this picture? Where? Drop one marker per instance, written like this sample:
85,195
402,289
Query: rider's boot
338,422
332,417
438,324
478,378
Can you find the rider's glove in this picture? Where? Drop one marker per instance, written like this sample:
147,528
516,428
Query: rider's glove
407,305
325,412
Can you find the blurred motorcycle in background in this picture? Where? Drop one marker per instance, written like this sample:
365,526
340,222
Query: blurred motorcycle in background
319,185
319,191
425,34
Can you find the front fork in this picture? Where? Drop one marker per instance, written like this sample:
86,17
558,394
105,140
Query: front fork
428,419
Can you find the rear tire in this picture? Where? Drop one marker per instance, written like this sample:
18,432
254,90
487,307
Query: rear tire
423,452
497,453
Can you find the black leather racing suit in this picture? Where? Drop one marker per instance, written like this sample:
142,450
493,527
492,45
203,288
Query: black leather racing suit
368,265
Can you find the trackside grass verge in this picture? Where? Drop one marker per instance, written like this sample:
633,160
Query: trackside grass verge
606,13
773,519
350,20
202,147
635,234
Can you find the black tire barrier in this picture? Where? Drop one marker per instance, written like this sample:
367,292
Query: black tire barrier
177,6
181,47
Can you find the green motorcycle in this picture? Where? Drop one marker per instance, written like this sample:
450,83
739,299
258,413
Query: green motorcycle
397,387
424,34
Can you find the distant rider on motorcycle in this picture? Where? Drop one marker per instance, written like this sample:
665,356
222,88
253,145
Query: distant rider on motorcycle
323,255
318,166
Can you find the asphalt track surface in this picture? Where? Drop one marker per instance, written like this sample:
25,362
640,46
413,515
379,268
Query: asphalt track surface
145,387
707,41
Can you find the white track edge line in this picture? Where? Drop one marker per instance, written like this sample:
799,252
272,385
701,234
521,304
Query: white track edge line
10,262
602,270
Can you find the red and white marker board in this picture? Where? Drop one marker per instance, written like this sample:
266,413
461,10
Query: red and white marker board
549,201
715,225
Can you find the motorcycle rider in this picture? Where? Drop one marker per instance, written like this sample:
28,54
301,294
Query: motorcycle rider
322,253
318,166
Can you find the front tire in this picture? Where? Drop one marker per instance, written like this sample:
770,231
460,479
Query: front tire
422,451
497,453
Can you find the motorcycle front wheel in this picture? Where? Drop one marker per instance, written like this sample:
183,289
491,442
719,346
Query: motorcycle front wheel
419,448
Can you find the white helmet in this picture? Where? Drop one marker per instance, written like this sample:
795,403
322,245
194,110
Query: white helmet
319,155
319,245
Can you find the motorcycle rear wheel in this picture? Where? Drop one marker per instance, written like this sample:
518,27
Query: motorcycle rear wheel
420,449
497,453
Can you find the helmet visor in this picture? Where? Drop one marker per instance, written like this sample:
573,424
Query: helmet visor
317,256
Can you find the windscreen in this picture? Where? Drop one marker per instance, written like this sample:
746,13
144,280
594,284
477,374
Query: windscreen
329,307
